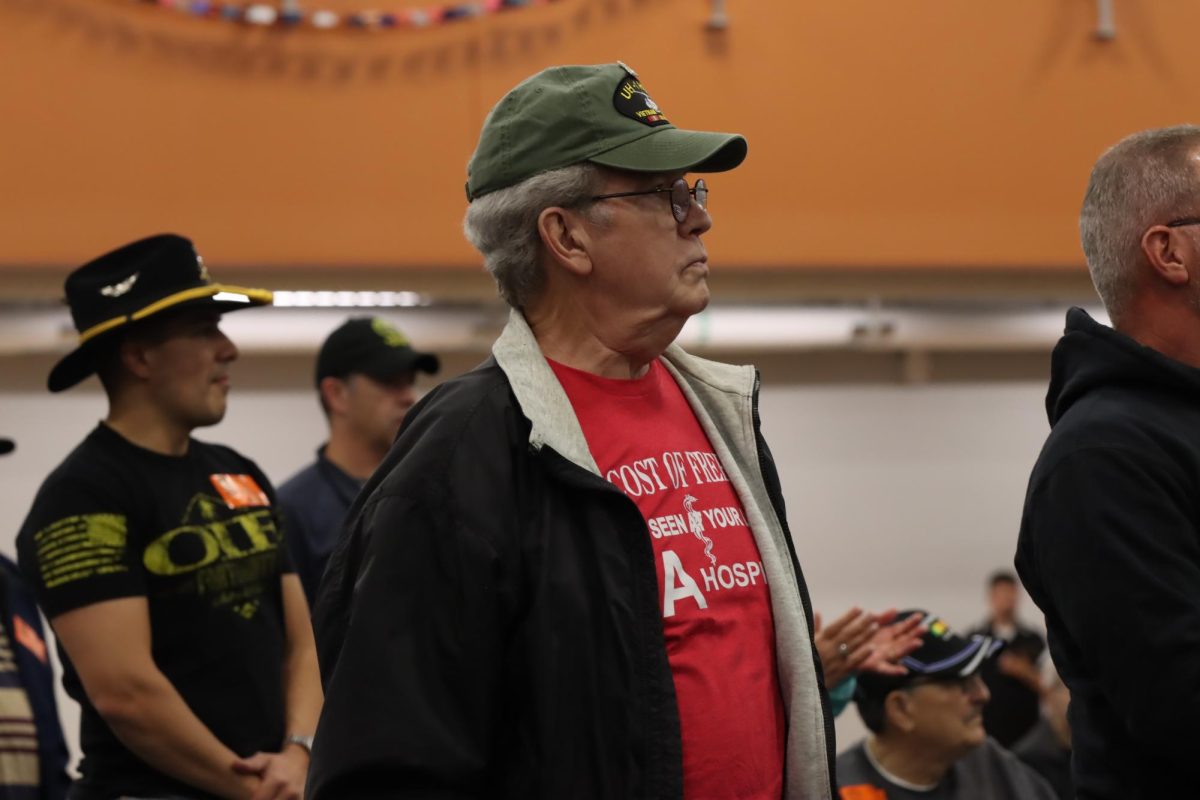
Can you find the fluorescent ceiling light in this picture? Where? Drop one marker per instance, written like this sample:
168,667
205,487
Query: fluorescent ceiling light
307,299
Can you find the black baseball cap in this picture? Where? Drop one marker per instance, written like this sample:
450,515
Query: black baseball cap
7,446
943,654
135,281
373,347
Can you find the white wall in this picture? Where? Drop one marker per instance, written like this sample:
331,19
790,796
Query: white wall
904,497
896,496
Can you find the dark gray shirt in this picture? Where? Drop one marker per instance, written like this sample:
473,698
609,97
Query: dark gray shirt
989,772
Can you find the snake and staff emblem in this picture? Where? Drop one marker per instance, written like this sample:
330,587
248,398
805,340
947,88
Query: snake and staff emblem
696,526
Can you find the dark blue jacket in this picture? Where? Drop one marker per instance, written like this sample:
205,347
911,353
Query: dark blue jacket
37,677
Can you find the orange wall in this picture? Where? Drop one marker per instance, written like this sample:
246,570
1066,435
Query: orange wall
925,132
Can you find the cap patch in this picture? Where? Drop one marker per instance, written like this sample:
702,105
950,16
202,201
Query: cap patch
391,337
120,287
203,269
632,100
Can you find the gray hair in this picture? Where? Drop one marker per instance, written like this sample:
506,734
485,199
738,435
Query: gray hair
502,225
1142,180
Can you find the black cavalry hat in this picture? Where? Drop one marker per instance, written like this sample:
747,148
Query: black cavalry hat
131,283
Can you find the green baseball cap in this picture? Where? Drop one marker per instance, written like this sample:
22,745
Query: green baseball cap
602,114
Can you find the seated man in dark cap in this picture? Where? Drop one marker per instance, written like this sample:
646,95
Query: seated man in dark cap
572,577
927,739
158,558
366,374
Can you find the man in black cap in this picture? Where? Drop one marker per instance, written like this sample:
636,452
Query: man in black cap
927,739
158,558
365,375
572,576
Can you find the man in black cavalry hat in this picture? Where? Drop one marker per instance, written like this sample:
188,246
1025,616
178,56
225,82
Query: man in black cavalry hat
159,559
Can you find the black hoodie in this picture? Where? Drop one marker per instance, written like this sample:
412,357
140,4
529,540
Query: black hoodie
1110,551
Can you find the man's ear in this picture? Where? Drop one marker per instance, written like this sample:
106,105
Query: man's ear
565,238
135,357
335,392
898,708
1170,253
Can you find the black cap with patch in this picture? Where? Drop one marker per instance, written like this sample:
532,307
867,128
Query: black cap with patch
373,347
943,654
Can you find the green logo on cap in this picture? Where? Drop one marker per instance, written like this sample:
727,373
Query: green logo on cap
391,337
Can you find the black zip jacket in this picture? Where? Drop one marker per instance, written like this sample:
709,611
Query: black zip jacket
490,625
1110,551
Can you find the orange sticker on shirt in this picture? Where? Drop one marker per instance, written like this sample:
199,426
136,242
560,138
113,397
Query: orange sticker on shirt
239,491
24,633
863,792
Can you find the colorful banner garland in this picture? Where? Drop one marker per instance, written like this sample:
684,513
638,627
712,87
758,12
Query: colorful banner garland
290,15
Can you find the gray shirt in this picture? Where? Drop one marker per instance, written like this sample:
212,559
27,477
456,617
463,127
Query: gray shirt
989,772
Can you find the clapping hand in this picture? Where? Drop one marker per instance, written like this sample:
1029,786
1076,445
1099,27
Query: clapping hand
858,641
892,642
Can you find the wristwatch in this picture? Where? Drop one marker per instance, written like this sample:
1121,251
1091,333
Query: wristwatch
297,738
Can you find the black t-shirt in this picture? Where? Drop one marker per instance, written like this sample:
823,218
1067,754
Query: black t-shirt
198,537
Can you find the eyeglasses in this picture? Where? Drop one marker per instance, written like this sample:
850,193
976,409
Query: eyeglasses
681,197
1179,223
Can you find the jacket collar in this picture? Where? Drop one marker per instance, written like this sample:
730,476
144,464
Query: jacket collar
545,404
539,394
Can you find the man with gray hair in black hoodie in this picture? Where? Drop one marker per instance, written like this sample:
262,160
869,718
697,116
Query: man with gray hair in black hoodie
1110,540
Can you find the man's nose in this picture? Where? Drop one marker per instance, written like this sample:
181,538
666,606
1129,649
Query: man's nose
698,221
978,691
406,395
228,351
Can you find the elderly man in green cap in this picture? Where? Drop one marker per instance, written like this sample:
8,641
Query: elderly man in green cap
572,577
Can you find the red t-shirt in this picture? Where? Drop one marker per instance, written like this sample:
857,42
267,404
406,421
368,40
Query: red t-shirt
720,635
